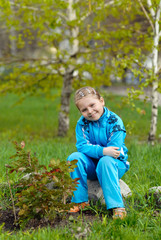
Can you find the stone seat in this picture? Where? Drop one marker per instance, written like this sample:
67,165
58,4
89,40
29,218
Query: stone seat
95,192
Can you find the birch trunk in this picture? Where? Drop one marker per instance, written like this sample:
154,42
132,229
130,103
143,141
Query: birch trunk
63,122
154,111
13,45
65,104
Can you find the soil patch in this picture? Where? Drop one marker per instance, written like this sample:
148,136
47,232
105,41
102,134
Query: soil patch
7,218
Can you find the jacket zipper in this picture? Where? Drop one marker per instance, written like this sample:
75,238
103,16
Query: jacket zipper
98,132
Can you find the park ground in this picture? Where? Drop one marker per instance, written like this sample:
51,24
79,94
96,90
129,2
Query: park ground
35,122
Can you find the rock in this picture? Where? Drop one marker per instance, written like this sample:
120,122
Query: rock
27,176
154,195
95,192
156,190
49,185
125,190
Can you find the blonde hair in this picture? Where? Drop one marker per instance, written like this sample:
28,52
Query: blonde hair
84,92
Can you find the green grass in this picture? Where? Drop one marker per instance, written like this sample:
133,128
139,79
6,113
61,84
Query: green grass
36,121
37,117
137,226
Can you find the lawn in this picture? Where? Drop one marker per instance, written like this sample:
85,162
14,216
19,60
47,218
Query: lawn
35,121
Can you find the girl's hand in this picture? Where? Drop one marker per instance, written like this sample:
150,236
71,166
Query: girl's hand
111,151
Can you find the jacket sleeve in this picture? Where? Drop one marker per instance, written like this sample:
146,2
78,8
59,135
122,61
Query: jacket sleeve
83,143
117,137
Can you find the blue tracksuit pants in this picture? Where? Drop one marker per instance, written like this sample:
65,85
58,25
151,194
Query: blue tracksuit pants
107,170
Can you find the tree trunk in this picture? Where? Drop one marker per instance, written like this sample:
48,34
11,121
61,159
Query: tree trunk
13,45
65,103
154,115
68,77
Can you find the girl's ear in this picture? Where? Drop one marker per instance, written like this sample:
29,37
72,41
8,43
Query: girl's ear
102,101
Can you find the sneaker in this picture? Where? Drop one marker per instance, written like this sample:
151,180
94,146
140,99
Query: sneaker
119,213
79,207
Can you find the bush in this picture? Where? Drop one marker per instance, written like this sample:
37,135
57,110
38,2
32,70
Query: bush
34,198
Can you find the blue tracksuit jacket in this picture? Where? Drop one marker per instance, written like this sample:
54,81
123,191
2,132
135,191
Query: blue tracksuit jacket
93,136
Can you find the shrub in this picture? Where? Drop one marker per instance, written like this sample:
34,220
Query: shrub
34,197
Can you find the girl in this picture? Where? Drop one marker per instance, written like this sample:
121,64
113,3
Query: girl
101,154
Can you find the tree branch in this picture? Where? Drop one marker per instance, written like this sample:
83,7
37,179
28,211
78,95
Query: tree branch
13,204
151,9
160,34
158,11
17,87
90,12
9,61
36,9
146,14
25,7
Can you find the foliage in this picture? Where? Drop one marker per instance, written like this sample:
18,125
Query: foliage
45,28
111,38
35,196
98,40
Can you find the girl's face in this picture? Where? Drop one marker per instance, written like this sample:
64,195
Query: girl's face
91,108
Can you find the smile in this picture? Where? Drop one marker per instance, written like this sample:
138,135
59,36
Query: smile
92,115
